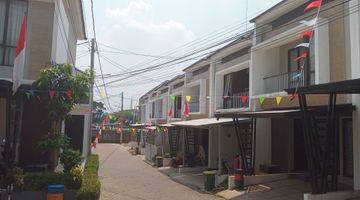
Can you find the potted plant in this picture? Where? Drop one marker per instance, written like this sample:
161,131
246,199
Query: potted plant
167,160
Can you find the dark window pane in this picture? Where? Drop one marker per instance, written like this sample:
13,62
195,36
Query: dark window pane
9,56
2,20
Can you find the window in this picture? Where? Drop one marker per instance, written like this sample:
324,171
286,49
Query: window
11,15
177,106
294,66
235,85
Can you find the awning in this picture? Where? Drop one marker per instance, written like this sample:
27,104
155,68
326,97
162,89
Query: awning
203,123
341,87
137,125
151,128
261,114
166,125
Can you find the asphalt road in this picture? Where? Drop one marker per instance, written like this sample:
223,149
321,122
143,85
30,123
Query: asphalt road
127,177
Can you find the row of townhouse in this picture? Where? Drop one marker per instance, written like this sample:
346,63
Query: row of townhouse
247,85
53,29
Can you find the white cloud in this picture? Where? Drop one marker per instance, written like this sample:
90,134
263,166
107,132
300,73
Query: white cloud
139,15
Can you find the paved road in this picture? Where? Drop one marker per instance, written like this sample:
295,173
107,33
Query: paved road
127,177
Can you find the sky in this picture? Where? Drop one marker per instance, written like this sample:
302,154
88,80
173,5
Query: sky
153,28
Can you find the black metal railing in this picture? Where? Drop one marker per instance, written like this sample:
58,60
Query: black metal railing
280,82
238,100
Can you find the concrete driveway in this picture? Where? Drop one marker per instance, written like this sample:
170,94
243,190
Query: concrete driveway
127,177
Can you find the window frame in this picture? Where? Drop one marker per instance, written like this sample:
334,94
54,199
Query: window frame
4,44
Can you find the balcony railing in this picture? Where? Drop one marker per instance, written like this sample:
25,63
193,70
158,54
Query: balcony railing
238,100
194,106
280,82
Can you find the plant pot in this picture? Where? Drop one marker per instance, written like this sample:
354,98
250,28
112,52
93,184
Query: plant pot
159,161
166,162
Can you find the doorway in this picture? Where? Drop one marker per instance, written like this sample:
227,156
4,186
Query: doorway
74,128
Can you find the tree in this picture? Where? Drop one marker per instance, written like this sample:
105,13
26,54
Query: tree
64,90
99,109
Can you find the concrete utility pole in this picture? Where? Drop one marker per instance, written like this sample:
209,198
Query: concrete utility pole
122,101
91,101
131,103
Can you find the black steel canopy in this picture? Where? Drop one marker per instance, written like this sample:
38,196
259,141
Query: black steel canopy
341,87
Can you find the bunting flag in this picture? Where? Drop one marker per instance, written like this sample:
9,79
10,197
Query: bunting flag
102,94
188,98
278,100
244,99
307,34
93,145
302,56
294,96
69,94
170,112
166,130
261,100
173,97
310,23
187,110
297,75
306,45
313,5
52,94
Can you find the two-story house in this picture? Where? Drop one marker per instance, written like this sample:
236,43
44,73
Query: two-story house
53,30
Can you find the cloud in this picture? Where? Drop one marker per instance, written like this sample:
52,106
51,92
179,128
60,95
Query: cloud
139,15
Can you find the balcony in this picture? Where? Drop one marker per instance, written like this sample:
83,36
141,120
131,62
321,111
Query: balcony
280,82
236,101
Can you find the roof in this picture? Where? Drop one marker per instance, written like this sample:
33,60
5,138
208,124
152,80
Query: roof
261,114
340,87
244,36
202,123
283,113
268,10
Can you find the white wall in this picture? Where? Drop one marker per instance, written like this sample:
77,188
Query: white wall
263,63
64,38
322,53
263,142
355,73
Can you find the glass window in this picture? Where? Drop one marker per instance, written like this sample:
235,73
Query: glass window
11,15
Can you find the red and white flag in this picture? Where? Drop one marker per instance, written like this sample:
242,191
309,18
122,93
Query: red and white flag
19,62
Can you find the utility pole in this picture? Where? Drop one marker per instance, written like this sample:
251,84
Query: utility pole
91,101
122,101
131,103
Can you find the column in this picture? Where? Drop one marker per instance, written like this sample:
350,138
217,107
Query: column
322,58
355,73
212,89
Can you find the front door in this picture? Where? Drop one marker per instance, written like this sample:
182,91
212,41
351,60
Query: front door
74,128
300,163
348,148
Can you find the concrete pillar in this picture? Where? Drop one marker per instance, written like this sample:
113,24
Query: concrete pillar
263,142
322,52
219,151
212,89
355,73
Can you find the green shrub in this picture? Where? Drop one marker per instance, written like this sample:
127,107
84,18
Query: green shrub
90,189
39,181
70,158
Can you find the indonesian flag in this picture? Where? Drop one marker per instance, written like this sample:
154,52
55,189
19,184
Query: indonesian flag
19,62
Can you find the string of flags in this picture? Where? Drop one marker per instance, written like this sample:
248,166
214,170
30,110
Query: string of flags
307,36
49,94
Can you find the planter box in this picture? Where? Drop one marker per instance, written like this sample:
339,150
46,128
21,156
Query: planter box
166,162
40,195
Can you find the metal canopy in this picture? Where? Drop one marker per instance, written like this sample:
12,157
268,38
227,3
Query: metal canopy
322,136
341,87
204,123
261,114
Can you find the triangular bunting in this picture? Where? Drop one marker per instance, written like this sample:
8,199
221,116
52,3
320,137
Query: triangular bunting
188,98
244,99
187,110
294,96
313,5
52,94
261,100
278,100
306,45
173,97
307,34
310,23
302,56
170,112
69,94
